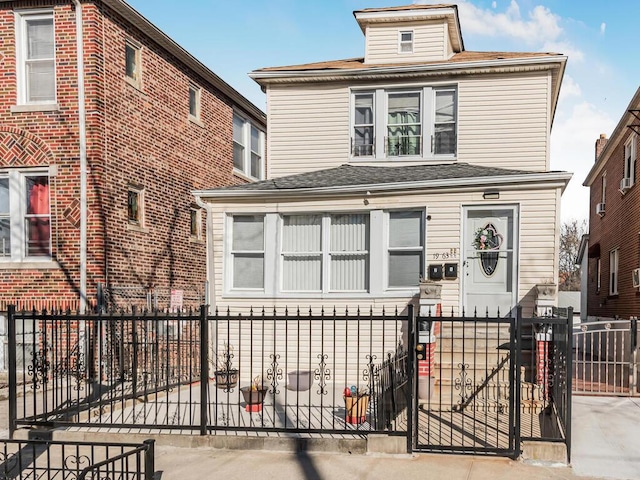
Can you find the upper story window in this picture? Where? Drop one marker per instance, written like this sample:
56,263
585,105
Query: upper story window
25,217
195,222
35,57
603,198
405,41
133,66
248,148
194,102
630,158
413,124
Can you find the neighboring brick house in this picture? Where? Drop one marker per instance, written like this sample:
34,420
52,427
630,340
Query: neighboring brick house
95,181
613,278
422,159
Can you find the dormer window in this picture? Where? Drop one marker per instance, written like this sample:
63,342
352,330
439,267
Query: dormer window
405,39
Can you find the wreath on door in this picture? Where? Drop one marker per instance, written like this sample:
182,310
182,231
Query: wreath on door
487,240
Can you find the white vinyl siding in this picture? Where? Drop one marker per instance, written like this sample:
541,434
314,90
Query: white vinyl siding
503,121
537,249
308,128
429,43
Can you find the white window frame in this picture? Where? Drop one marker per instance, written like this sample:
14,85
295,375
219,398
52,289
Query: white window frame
136,79
614,257
18,214
598,275
630,157
427,122
603,197
389,249
196,212
139,190
403,43
356,151
245,171
21,19
197,95
326,252
230,252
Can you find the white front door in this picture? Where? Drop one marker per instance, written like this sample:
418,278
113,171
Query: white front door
489,265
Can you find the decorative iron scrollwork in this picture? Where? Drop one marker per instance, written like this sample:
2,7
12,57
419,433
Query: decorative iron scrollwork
322,374
39,368
274,373
464,385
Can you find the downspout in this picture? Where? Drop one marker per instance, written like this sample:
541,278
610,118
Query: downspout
82,133
210,289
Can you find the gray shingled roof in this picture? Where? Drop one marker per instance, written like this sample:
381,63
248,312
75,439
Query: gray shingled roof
353,175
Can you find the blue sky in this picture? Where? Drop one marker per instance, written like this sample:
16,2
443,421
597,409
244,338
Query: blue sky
600,38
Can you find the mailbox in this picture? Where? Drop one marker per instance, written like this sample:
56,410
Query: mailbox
435,272
451,270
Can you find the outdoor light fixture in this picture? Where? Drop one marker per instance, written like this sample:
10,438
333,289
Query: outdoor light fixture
491,195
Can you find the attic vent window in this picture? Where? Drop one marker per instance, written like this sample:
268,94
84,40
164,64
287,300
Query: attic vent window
406,41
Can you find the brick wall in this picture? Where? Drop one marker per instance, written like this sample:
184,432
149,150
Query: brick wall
140,136
618,228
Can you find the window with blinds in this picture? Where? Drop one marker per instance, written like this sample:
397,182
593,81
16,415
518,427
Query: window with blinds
35,53
323,253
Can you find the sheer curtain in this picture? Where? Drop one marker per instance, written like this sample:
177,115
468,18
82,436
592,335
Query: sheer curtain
405,248
403,123
5,222
248,251
40,67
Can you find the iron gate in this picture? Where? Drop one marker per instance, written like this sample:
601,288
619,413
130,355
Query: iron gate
484,384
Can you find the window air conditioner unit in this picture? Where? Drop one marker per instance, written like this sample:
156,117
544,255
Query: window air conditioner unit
636,277
625,184
600,209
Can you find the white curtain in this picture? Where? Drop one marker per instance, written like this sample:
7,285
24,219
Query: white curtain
349,252
302,253
5,224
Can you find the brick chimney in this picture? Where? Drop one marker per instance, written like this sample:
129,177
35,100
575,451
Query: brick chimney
600,144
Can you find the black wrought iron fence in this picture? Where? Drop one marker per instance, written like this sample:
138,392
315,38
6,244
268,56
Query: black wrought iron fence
48,459
262,371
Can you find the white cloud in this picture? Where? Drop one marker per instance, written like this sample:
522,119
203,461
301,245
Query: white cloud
565,48
494,4
603,28
569,88
573,149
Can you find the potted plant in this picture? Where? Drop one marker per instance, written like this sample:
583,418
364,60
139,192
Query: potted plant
254,394
225,375
356,404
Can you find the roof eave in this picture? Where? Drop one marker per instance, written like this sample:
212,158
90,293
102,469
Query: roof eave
614,140
131,15
263,77
559,179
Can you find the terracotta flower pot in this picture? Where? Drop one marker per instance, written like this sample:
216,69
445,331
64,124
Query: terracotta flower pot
253,398
356,408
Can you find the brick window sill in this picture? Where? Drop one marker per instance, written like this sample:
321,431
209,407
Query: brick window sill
137,228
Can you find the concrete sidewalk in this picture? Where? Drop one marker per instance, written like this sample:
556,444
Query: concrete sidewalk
196,463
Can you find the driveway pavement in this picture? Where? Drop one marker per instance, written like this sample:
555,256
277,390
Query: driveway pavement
606,437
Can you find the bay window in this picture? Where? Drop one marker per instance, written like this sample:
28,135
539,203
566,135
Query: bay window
25,217
413,123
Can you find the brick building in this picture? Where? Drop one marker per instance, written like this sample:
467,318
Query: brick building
99,154
613,278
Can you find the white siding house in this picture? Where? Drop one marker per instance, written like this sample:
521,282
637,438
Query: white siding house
418,159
